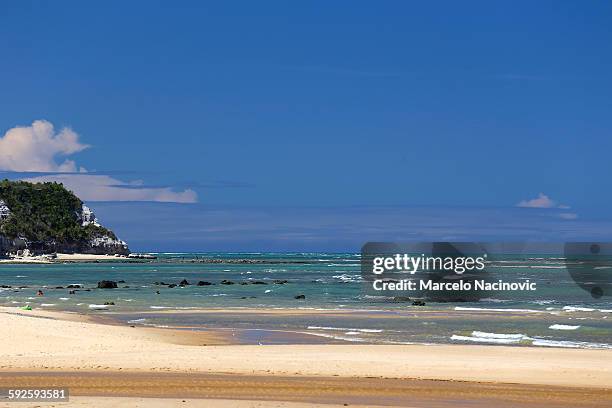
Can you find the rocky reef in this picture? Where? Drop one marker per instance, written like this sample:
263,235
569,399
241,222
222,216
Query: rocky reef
46,218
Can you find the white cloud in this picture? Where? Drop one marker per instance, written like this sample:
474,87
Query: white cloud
36,148
541,201
568,216
94,187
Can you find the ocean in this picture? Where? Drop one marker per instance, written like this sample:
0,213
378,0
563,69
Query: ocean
260,307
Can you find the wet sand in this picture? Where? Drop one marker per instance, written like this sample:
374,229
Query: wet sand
311,390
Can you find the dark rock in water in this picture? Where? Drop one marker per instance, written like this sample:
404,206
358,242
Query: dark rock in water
204,283
184,282
418,303
87,290
300,297
280,282
258,283
109,303
172,285
121,281
5,286
401,299
226,282
244,283
59,287
126,287
105,284
72,292
157,292
73,286
248,297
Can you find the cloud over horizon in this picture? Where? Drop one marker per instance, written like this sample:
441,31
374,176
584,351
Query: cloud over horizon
541,201
105,188
37,148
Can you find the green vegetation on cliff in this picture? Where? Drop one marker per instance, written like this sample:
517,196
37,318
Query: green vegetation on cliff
45,212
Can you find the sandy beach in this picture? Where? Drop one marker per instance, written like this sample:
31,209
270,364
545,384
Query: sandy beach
63,258
44,347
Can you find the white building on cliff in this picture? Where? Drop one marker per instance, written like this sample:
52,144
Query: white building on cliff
88,217
5,212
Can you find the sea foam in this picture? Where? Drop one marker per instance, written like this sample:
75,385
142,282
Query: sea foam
563,327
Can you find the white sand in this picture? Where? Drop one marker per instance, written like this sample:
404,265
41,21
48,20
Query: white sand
33,343
88,257
62,258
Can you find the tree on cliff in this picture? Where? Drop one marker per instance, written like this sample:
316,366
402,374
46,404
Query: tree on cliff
45,212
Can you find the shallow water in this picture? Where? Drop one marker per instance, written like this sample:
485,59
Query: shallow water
329,282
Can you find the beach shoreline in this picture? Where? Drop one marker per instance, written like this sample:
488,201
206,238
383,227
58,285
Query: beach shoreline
56,335
69,258
41,344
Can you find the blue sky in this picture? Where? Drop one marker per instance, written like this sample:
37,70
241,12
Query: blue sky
444,110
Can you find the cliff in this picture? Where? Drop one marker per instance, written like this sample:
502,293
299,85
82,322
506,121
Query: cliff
47,218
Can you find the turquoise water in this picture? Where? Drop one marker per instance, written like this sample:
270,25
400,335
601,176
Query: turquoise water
336,307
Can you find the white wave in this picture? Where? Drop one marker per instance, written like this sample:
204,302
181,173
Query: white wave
493,300
497,338
516,336
326,328
577,309
331,336
484,339
570,344
484,309
47,304
546,267
543,302
344,329
137,321
64,298
20,276
563,327
377,297
348,278
98,307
